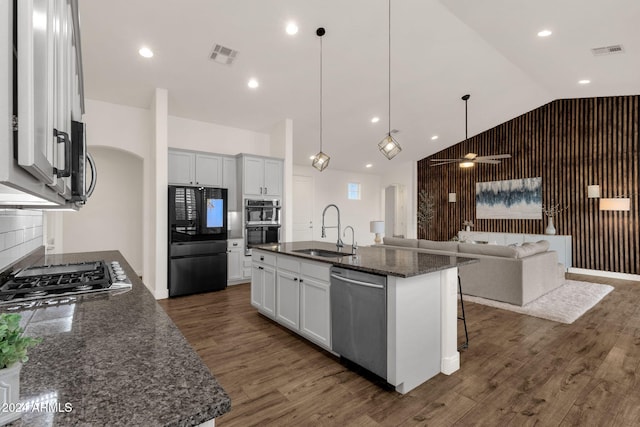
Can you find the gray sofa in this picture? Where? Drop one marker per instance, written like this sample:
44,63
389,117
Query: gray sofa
512,274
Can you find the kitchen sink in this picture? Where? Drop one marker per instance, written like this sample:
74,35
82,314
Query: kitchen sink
322,252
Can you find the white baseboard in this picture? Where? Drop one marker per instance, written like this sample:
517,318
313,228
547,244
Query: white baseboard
448,365
602,273
162,294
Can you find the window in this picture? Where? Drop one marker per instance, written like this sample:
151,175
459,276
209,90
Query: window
353,191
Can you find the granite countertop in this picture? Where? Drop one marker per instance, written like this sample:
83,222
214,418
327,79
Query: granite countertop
374,259
114,359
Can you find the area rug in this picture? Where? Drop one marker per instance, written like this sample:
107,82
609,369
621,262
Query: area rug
564,304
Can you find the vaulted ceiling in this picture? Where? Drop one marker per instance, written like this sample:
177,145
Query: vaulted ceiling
440,50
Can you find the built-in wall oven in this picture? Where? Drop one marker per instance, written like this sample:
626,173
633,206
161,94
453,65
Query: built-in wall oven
262,222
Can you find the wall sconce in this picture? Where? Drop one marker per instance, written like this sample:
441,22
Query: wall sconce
593,191
617,204
377,227
452,197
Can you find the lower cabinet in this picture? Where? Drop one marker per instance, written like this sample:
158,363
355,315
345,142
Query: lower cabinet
263,288
288,299
315,311
235,257
302,301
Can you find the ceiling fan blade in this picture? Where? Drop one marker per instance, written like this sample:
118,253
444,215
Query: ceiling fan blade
470,156
441,164
495,156
445,160
490,161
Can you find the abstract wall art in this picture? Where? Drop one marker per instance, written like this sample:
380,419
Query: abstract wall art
509,199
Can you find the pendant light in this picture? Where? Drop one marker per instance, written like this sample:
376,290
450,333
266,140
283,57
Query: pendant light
320,160
467,163
389,147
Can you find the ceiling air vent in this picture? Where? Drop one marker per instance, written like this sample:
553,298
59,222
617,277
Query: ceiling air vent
607,50
223,55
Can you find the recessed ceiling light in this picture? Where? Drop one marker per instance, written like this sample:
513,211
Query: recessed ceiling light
292,28
434,137
368,165
145,52
544,33
253,83
584,81
375,120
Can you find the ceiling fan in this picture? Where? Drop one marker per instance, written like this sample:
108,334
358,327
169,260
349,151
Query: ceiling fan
470,158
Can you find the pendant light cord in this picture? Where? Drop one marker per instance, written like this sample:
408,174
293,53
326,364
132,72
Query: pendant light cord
320,93
389,106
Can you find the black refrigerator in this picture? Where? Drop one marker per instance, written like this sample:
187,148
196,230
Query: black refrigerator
197,240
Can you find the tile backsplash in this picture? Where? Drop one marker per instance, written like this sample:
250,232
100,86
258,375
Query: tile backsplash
21,232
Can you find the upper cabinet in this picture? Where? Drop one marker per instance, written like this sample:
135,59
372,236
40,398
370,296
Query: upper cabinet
262,177
40,100
190,168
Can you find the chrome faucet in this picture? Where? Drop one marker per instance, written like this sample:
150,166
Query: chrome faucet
354,244
339,243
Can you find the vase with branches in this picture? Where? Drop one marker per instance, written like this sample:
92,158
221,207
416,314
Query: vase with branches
550,211
425,212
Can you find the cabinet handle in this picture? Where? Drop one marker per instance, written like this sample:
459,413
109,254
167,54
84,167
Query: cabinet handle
235,244
301,280
295,279
260,268
265,190
63,138
261,258
260,190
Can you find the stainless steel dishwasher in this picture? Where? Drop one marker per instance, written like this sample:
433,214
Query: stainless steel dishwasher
359,318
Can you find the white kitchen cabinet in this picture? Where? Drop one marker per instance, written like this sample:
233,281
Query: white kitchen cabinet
315,308
288,299
208,170
229,181
263,284
49,90
302,296
262,177
191,168
235,261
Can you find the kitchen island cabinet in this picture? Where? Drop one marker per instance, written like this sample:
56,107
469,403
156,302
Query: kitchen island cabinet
421,303
113,359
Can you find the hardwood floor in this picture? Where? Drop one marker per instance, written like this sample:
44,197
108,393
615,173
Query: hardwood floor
518,370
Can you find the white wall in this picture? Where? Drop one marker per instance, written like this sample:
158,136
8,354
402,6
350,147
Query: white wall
201,136
330,186
20,234
118,126
112,220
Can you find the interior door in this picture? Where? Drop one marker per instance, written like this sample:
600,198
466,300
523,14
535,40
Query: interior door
302,208
36,141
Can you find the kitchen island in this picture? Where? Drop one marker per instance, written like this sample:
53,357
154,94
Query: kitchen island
114,359
291,285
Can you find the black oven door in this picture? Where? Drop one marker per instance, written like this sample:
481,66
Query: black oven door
255,235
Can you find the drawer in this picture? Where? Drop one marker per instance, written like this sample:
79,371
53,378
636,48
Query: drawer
289,263
263,257
317,270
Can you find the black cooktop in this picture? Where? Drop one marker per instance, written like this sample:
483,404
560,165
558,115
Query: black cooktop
52,280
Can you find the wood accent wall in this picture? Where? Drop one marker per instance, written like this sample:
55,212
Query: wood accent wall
570,143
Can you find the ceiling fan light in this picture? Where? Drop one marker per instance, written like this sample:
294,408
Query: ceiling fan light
389,147
320,161
466,164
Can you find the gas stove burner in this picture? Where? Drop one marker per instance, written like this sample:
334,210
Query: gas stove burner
59,282
33,294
